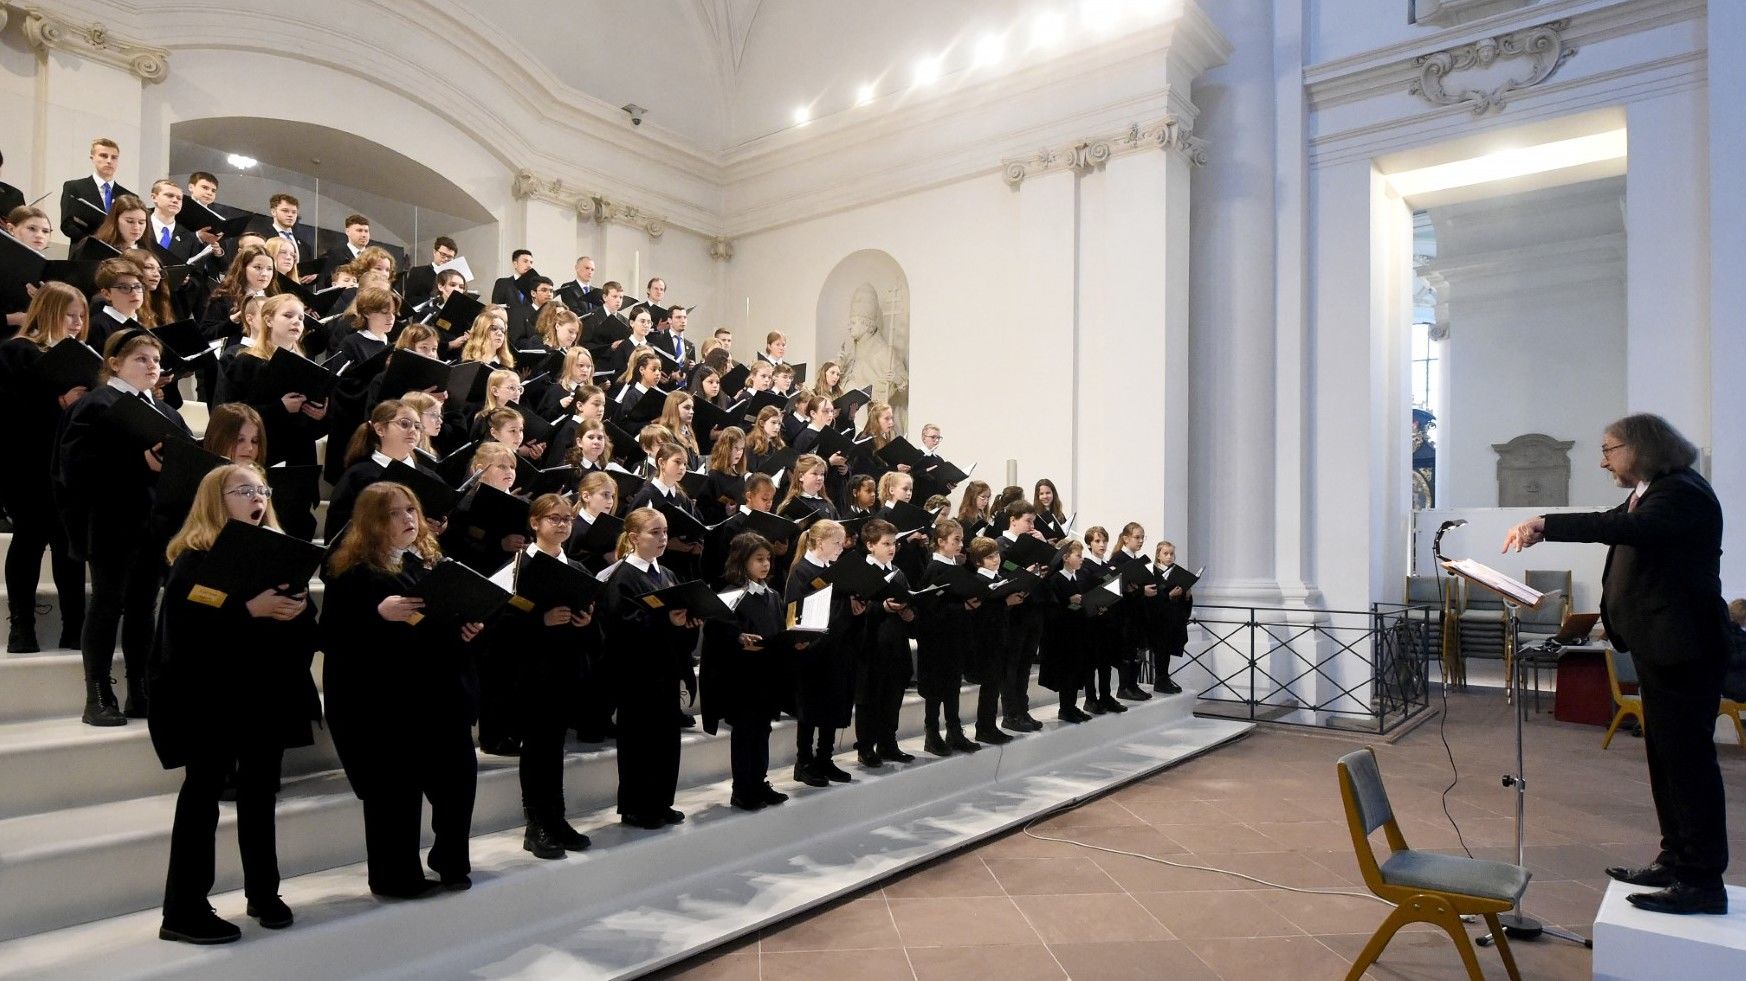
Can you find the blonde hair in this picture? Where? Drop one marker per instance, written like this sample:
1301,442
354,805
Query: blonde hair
572,358
208,515
876,411
721,456
263,346
819,532
550,318
498,377
594,482
889,483
490,452
44,321
805,463
479,335
413,335
635,523
422,402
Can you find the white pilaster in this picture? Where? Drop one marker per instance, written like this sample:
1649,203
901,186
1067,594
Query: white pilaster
1727,201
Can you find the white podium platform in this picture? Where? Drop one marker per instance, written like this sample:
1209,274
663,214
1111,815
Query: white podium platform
1631,945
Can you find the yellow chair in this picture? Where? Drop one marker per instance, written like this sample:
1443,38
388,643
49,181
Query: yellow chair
1423,886
1629,705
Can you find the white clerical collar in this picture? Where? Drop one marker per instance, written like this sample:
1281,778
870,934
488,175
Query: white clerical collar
384,459
642,565
756,588
1130,553
116,315
121,386
1642,488
1010,535
985,573
664,490
942,557
745,509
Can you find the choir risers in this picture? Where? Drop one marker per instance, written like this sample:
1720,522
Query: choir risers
639,900
105,854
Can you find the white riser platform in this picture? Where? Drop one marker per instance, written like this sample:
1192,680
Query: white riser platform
638,899
62,863
1632,945
51,685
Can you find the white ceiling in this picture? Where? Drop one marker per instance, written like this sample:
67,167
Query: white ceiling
719,74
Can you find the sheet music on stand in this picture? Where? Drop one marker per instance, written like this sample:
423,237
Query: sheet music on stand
1514,590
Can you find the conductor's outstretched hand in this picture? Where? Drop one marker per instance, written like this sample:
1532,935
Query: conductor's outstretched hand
1525,535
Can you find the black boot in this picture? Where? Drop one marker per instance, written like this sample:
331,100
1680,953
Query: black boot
21,638
890,752
100,704
136,698
956,740
803,772
570,838
539,838
934,744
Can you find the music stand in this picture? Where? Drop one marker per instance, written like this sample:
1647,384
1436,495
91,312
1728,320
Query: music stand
1516,595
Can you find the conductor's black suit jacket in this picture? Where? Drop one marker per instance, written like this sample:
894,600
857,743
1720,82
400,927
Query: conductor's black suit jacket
1661,592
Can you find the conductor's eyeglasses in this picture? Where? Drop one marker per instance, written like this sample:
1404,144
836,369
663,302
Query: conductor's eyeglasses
1607,451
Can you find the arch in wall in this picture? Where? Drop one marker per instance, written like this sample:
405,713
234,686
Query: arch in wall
863,324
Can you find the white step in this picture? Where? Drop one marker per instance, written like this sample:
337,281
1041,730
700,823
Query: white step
639,900
60,867
51,684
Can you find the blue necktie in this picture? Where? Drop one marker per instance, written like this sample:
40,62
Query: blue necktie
164,239
106,190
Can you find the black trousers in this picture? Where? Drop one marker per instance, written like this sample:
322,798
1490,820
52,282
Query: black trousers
32,532
445,772
1161,657
988,707
191,838
592,714
749,752
935,707
124,593
879,700
542,763
1679,719
498,716
1026,635
804,736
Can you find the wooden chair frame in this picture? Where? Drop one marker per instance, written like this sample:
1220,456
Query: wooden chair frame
1416,904
1629,706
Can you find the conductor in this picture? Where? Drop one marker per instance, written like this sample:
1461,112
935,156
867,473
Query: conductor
1661,600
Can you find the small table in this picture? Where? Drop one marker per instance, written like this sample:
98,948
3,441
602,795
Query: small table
1583,694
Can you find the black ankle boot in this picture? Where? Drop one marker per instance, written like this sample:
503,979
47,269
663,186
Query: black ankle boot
956,740
538,838
100,704
934,744
21,638
136,698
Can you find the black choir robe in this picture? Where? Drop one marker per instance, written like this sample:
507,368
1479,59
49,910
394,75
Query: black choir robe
651,659
824,673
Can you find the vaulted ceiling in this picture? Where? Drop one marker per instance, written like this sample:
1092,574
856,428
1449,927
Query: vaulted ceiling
719,74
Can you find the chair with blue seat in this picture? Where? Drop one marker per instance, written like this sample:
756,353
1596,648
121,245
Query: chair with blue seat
1425,887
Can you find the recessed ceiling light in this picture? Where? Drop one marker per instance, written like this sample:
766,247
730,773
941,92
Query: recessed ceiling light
865,94
802,116
990,50
240,162
927,71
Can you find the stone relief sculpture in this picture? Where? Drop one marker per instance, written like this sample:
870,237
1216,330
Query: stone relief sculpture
1533,470
868,356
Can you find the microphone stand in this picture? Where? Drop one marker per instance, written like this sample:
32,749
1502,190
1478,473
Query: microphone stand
1518,925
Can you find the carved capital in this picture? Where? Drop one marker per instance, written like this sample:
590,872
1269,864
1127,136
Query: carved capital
44,30
626,214
1171,133
721,250
1541,48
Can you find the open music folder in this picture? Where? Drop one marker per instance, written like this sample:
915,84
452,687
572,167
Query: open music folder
1514,590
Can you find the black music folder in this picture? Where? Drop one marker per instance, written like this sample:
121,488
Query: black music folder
454,592
247,560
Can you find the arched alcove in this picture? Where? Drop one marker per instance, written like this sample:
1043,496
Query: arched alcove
863,321
333,173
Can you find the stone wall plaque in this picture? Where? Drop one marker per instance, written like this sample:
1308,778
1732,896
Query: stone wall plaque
1533,470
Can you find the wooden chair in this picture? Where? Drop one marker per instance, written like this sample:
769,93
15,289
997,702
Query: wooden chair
1619,674
1731,709
1424,887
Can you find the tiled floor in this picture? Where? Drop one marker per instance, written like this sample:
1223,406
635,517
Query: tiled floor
1017,908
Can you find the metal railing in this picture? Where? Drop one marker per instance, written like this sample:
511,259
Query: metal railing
1354,670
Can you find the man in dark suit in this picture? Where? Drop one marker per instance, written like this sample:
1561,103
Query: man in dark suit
357,240
504,292
421,280
579,294
282,210
523,332
604,331
85,200
10,197
1661,600
672,342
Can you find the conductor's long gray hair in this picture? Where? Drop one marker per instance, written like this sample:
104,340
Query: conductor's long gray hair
1658,447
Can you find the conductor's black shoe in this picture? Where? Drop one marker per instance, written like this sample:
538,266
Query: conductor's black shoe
868,759
1167,687
539,840
1654,874
956,740
771,796
992,735
206,928
747,802
272,912
1680,898
804,773
891,753
828,769
415,889
1111,705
